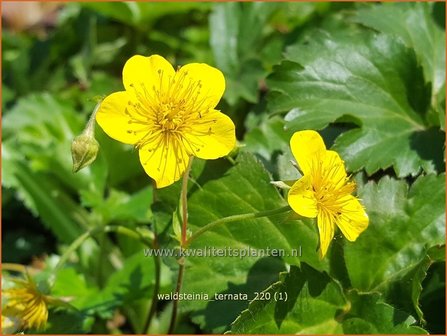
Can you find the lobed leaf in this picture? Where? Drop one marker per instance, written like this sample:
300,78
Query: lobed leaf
371,81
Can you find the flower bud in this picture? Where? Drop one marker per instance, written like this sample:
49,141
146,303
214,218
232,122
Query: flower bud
84,149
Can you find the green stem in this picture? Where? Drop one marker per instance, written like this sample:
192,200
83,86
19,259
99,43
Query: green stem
185,202
102,239
78,242
178,288
153,309
90,126
235,218
181,270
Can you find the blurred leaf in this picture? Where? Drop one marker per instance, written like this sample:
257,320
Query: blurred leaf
121,206
56,209
72,286
372,81
130,283
141,14
66,322
237,33
40,128
304,301
268,137
404,224
246,187
37,133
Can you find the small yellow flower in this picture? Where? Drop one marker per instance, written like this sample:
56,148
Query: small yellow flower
324,191
25,303
168,115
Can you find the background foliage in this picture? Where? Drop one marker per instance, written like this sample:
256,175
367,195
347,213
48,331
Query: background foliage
369,77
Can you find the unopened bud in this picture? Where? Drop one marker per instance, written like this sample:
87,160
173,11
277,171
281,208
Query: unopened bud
84,149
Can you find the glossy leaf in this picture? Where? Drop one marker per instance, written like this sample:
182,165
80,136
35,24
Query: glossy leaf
222,190
404,223
372,81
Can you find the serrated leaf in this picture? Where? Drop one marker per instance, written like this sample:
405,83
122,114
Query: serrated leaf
404,223
370,315
414,24
304,301
372,81
223,190
404,292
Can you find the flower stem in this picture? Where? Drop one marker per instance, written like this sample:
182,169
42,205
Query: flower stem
181,269
235,218
178,287
78,242
153,309
185,201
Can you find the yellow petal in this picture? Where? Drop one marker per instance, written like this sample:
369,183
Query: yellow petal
326,229
144,74
306,146
165,159
207,84
301,197
114,117
210,136
332,169
353,219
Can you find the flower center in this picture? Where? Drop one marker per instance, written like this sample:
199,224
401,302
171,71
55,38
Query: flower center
330,185
170,107
170,116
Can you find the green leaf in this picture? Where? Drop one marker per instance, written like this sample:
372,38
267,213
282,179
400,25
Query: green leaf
41,128
72,285
237,33
404,223
222,190
121,206
66,322
57,210
141,14
372,81
405,291
268,137
414,24
134,281
316,305
369,315
304,301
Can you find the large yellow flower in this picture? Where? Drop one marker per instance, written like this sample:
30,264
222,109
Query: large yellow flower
25,305
168,115
324,191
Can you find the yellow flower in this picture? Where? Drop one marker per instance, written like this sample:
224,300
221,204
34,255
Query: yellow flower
324,191
168,115
25,303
